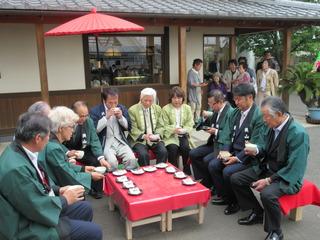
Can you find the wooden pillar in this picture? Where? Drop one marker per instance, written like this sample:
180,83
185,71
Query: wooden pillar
286,58
42,62
182,58
233,47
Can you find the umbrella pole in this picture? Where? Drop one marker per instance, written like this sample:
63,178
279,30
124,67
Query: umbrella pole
99,63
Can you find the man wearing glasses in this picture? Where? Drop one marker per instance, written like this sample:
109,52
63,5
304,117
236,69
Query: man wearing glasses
86,139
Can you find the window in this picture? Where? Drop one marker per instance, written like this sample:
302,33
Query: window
125,60
216,54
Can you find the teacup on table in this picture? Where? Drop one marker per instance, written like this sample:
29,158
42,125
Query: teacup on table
251,146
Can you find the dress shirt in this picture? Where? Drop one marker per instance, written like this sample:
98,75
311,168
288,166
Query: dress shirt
244,115
178,117
33,156
278,129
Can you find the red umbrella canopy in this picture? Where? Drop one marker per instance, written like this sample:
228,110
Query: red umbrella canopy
94,23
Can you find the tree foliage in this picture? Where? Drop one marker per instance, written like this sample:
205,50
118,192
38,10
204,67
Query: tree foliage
305,41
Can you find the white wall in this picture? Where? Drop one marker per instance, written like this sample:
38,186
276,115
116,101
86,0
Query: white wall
65,64
18,58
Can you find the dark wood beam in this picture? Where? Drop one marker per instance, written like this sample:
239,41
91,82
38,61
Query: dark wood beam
182,45
42,62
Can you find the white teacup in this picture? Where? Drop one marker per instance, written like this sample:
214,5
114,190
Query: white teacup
79,154
224,154
182,131
76,187
116,109
154,137
251,146
101,169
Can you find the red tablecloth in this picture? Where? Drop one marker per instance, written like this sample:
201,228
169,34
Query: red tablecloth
161,193
309,194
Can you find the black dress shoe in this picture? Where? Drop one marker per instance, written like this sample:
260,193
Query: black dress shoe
274,236
231,209
253,218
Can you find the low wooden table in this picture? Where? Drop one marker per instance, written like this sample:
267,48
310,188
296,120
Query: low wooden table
162,193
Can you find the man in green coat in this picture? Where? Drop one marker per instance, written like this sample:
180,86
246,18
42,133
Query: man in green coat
85,138
32,208
147,128
283,160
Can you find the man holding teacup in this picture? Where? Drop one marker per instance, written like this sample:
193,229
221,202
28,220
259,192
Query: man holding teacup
245,124
214,125
280,169
112,120
147,128
31,206
85,146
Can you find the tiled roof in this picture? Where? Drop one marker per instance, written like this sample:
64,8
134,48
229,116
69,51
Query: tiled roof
245,9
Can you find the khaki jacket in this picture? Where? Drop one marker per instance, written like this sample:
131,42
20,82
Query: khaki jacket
271,84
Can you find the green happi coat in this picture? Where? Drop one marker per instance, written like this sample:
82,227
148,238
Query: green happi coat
169,120
292,155
59,169
138,125
27,211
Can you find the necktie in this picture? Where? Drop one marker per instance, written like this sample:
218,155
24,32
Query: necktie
243,116
276,133
148,122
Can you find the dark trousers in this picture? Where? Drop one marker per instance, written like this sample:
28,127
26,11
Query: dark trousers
75,223
230,99
200,157
241,182
143,156
220,175
90,160
183,149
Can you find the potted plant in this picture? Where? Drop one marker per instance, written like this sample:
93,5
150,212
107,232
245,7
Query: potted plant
306,83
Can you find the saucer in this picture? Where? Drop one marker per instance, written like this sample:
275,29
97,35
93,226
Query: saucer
137,171
161,165
170,170
180,175
128,184
188,182
119,172
134,191
150,169
122,179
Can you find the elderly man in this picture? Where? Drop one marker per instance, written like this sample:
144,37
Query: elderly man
31,207
244,124
40,107
195,83
112,120
85,138
283,160
214,125
147,128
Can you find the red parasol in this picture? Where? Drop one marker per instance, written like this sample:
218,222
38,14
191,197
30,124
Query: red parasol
94,23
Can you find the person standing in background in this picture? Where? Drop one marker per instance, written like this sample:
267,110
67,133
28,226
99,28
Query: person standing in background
195,83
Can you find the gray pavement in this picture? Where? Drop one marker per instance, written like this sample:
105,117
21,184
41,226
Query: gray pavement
216,225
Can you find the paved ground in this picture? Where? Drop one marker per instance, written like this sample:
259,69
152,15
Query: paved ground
216,225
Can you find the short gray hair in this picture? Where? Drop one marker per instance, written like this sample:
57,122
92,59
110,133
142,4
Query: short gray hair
31,124
275,105
217,95
62,117
40,107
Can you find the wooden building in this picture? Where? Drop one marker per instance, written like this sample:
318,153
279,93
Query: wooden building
64,69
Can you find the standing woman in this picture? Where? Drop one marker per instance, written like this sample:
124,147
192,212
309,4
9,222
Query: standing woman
267,81
244,76
178,123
